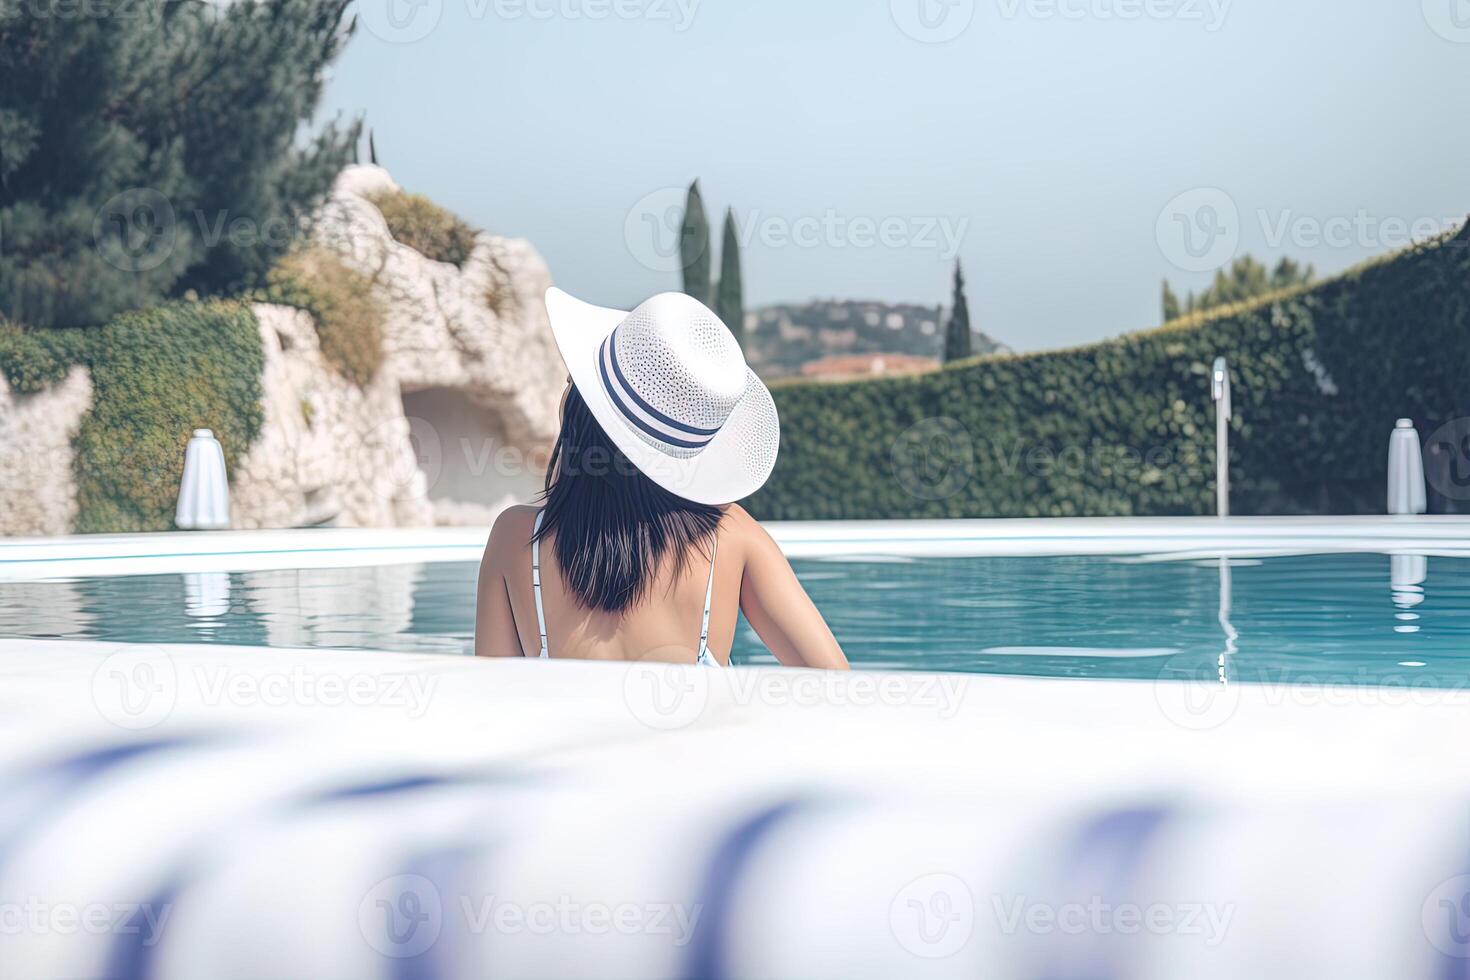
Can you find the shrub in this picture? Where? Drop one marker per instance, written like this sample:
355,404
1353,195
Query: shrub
32,360
349,322
136,138
1127,426
158,374
426,227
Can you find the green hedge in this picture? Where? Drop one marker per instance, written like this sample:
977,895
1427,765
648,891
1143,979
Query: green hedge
157,374
32,360
1126,427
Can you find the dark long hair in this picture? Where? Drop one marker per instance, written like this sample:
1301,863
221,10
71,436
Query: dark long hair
613,525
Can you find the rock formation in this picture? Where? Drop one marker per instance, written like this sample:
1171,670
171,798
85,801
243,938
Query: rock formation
455,425
38,492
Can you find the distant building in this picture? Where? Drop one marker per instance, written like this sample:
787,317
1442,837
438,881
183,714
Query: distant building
846,366
780,339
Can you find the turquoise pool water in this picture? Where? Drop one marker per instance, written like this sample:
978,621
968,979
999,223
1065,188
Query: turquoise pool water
1324,619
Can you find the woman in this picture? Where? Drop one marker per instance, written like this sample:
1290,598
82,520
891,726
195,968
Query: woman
638,552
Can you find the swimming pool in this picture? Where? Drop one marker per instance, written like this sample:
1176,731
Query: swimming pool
1133,606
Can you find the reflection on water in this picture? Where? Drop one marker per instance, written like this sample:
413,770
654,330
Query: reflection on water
1232,638
206,595
1276,619
338,607
43,609
1406,580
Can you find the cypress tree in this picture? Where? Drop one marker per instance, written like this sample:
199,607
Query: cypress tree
957,341
730,294
694,247
148,148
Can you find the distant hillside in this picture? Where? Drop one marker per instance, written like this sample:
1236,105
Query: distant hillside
780,339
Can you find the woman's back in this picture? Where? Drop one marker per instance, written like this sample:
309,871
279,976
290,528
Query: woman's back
749,572
665,626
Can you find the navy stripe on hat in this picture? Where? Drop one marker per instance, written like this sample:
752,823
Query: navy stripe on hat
655,424
612,357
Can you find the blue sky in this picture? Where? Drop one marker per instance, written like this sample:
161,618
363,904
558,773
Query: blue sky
1072,153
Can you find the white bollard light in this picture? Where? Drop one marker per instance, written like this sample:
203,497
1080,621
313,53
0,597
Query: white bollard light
1405,470
1220,392
204,492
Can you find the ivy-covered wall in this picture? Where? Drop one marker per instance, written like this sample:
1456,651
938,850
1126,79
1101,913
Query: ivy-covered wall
1127,427
157,374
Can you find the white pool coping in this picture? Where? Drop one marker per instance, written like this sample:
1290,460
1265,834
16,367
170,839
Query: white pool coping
1160,538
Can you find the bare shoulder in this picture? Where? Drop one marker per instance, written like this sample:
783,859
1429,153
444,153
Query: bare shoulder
511,533
745,530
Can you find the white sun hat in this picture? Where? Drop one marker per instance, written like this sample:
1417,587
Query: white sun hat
670,387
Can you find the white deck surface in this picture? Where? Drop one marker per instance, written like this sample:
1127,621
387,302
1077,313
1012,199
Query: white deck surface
1321,828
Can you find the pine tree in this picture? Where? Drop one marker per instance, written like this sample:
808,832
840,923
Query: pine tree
957,340
1172,310
694,247
149,148
730,294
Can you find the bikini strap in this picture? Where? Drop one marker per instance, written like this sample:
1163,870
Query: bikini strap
709,589
536,581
